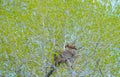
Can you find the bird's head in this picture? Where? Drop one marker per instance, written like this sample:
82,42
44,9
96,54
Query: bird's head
71,46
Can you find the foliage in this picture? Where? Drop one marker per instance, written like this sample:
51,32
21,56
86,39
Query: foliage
32,30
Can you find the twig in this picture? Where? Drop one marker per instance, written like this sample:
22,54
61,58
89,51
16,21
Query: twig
97,64
50,72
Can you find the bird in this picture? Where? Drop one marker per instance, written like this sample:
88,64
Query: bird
66,57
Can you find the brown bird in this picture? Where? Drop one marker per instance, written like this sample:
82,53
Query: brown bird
67,57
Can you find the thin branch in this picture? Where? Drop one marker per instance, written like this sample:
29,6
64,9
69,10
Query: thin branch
97,64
